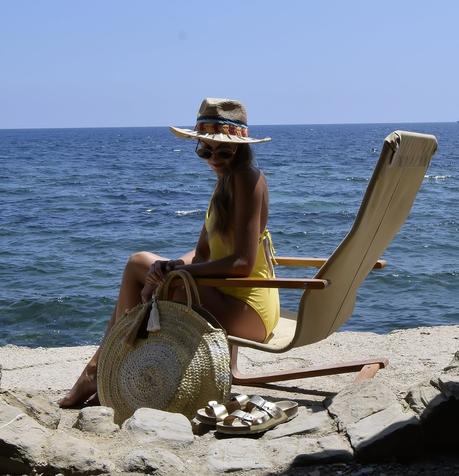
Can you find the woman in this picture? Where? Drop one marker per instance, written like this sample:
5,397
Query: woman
234,241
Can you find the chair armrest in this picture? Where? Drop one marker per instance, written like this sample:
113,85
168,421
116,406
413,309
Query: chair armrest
315,262
292,283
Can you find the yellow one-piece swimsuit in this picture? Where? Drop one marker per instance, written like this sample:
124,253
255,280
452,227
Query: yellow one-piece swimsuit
265,301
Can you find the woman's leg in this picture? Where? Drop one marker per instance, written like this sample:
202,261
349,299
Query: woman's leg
235,316
132,284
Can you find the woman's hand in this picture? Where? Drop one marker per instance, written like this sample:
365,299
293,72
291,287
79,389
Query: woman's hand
156,275
147,292
159,270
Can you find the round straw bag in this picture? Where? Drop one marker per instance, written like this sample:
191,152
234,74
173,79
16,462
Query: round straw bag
177,368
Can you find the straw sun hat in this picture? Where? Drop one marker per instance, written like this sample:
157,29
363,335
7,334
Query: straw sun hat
220,120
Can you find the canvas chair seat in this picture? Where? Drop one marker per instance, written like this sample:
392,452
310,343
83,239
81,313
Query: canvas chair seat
283,333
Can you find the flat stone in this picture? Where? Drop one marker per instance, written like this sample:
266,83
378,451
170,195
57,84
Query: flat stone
386,434
328,449
454,364
448,380
237,454
148,425
359,401
71,455
96,420
34,404
424,398
306,422
284,450
291,451
199,428
152,460
449,385
22,441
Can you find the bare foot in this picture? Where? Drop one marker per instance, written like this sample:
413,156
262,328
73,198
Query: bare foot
84,387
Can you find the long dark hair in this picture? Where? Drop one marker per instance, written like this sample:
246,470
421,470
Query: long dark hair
222,203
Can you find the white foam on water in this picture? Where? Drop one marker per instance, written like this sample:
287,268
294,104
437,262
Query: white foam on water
182,213
437,178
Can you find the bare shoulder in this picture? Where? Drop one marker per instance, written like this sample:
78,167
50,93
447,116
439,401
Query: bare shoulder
250,180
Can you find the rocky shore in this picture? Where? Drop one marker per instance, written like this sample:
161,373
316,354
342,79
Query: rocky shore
404,421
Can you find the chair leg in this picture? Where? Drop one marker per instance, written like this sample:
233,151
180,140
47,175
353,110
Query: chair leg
367,372
366,368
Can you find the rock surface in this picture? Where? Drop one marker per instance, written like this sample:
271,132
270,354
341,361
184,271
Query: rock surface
238,454
359,401
96,420
34,404
152,461
388,434
330,449
339,423
317,423
148,425
22,441
68,454
424,398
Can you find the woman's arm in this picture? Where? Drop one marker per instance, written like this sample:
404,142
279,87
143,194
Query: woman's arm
159,269
249,190
196,255
202,251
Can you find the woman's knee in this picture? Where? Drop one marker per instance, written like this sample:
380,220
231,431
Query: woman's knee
139,263
140,258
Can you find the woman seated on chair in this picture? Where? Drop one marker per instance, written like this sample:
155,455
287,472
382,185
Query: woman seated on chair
234,240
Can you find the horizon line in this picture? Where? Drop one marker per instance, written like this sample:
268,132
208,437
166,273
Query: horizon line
252,125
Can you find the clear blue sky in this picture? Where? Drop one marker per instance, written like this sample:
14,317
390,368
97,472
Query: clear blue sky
149,63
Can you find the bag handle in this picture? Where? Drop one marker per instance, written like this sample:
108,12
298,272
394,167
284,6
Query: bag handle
144,311
191,289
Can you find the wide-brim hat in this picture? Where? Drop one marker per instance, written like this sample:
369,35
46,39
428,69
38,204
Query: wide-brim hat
220,120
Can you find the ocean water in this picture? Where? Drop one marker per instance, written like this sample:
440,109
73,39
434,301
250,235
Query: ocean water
75,203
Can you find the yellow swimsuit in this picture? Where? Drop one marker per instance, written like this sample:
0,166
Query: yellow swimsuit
265,301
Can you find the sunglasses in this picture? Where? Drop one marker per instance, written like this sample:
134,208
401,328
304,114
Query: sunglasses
222,153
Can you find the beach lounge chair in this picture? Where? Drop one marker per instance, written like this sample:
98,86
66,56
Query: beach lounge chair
328,299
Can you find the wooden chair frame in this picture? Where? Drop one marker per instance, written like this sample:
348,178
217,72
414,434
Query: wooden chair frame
366,369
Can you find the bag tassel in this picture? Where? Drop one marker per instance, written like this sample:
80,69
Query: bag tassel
133,331
153,324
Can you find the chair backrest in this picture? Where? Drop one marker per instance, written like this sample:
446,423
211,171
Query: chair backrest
386,204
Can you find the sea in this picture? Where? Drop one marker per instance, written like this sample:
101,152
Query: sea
76,203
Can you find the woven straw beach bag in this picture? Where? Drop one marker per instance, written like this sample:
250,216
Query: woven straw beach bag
178,368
